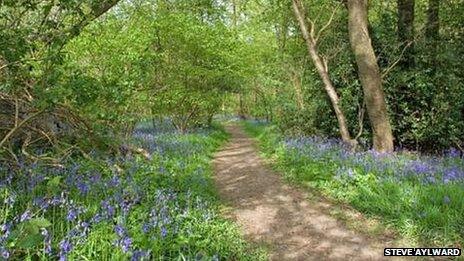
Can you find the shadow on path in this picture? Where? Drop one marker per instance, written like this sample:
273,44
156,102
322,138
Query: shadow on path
277,215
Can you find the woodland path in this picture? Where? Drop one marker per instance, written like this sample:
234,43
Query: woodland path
278,216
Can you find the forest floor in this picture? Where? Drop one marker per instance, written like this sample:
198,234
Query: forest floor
290,223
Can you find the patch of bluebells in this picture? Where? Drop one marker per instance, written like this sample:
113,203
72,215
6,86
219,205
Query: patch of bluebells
400,166
64,194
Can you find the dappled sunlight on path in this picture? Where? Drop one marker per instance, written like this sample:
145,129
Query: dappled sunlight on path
278,216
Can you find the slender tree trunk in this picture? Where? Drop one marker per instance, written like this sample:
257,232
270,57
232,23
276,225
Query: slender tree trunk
242,106
406,32
432,31
321,68
296,79
369,75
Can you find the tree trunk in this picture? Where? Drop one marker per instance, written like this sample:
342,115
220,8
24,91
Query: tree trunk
241,113
321,68
296,79
406,32
406,64
369,75
432,31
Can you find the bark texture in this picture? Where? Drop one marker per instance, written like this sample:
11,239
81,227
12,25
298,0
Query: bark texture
322,69
406,31
369,75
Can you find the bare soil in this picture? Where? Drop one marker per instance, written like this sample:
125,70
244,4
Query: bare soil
280,217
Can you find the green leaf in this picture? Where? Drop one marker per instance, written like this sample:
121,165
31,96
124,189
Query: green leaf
40,222
54,182
30,241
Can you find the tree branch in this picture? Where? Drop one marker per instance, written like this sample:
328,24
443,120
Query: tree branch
17,127
386,71
327,24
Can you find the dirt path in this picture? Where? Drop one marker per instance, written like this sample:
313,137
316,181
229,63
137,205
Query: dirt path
278,216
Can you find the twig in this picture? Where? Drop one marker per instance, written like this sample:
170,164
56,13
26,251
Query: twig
16,128
319,34
361,119
386,71
16,112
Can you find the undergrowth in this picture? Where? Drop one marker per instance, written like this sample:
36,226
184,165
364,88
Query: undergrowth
122,207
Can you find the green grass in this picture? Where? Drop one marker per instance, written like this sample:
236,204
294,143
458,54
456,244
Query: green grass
425,214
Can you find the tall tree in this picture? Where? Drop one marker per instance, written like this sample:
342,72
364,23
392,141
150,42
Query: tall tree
320,63
432,31
404,86
406,31
369,75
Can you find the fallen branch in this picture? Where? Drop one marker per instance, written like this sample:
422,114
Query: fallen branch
17,127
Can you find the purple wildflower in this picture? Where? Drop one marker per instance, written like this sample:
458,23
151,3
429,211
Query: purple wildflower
41,203
95,178
65,248
4,253
452,174
85,227
164,232
453,153
25,216
47,241
139,255
109,209
72,214
96,219
6,230
119,230
83,188
146,228
126,244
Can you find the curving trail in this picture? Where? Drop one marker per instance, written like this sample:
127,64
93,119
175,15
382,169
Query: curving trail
280,217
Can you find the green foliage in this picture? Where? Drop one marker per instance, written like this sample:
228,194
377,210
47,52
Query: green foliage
424,95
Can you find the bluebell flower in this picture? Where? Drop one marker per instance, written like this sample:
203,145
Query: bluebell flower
83,188
108,208
452,174
140,255
146,228
47,241
84,227
119,230
126,244
97,218
95,178
25,216
65,248
453,153
72,214
41,202
4,253
164,232
6,231
113,182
